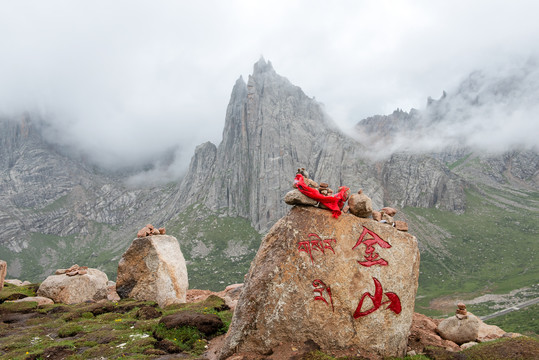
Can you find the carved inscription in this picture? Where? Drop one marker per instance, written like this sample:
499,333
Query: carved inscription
323,291
316,244
393,300
371,258
320,287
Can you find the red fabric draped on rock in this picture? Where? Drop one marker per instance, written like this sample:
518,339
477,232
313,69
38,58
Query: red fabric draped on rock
334,203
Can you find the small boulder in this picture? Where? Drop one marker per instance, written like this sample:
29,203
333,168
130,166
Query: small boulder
91,286
3,272
489,332
389,210
15,282
153,268
377,215
459,331
387,219
112,295
401,225
40,300
423,335
468,345
360,205
295,197
208,324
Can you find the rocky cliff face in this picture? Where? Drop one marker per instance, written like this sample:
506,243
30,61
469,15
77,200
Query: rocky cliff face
56,210
271,129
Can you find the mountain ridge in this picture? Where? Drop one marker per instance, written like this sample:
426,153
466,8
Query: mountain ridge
233,191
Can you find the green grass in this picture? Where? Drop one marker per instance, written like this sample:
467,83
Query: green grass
488,249
524,321
197,228
110,330
458,162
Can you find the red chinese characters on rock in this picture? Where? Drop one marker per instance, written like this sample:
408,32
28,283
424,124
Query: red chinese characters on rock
393,300
320,287
309,246
371,257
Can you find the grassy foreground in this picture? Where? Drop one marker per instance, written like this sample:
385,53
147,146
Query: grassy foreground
131,329
109,330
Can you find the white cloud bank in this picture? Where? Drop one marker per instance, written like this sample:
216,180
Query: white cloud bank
127,81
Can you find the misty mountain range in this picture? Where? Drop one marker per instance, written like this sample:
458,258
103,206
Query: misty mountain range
438,166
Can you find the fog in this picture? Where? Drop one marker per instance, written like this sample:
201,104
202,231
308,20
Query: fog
132,82
494,111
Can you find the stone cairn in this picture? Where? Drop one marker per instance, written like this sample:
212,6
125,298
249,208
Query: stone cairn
461,312
149,230
73,270
359,204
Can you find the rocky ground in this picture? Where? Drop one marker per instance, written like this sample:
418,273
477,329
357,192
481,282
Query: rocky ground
141,330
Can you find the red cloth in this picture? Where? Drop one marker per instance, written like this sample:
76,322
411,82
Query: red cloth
334,203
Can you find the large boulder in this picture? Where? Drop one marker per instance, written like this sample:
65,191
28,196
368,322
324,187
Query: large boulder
340,283
91,286
459,330
3,272
153,268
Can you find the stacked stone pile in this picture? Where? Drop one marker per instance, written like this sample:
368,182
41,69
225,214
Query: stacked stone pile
359,204
73,270
150,230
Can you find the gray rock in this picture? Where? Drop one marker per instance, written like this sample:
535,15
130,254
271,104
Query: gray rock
459,331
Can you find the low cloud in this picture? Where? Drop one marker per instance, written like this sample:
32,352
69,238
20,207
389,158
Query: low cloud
492,110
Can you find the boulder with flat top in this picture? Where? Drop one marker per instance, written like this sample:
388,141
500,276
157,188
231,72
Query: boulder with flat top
153,268
338,283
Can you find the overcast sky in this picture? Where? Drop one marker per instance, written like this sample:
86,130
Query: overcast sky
128,79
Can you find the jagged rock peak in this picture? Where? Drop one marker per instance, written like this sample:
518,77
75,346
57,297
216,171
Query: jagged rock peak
261,66
240,82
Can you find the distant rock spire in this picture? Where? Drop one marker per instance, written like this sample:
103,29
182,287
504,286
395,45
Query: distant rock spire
261,66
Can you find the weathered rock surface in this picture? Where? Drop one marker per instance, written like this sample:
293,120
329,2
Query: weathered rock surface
91,286
340,283
459,331
3,272
153,268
